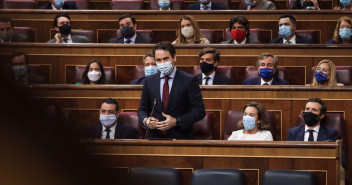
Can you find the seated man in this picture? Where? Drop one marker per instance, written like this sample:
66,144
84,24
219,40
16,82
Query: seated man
62,25
206,5
164,4
209,59
128,27
7,33
287,28
59,5
258,5
239,27
149,68
267,65
22,74
108,126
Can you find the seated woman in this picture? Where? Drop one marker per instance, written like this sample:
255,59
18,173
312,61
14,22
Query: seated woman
343,5
94,73
189,32
325,74
342,33
239,27
255,124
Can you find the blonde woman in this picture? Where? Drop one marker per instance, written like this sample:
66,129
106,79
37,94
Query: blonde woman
343,32
325,74
189,32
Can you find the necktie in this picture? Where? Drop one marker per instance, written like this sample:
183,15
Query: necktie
206,80
65,40
165,92
107,133
310,138
205,7
265,83
288,42
128,41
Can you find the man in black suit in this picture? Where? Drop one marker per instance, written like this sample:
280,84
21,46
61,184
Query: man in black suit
209,59
128,27
287,28
60,5
206,5
239,28
149,68
7,33
108,126
171,100
267,65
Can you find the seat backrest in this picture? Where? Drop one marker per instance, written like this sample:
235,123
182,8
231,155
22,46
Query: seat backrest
88,33
175,4
343,74
225,3
252,72
220,176
109,74
131,118
40,70
209,34
234,116
124,75
127,4
19,4
82,4
289,177
309,34
255,34
27,31
148,34
154,176
224,70
291,4
203,129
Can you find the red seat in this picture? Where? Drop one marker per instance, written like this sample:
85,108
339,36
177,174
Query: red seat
224,70
124,75
309,34
39,70
203,129
109,74
291,4
131,118
255,33
148,34
175,4
127,4
209,34
82,4
27,31
252,72
88,33
343,74
234,116
19,4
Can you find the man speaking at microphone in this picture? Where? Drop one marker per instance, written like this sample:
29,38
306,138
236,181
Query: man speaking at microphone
173,97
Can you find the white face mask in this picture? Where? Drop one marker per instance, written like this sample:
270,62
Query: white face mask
94,76
187,31
107,120
165,68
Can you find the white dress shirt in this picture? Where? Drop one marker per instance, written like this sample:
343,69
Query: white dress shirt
54,8
170,82
133,39
262,135
69,39
210,81
111,134
243,42
208,5
262,82
315,133
292,40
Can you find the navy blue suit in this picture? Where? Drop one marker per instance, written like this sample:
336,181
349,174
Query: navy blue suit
214,6
299,40
68,5
185,104
256,81
139,81
122,131
139,40
218,79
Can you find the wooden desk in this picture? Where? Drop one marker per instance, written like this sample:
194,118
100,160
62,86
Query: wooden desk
253,158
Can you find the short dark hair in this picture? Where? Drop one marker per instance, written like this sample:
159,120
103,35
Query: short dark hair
264,124
60,15
323,108
124,16
85,79
6,19
165,45
150,54
19,53
240,20
292,19
216,53
111,101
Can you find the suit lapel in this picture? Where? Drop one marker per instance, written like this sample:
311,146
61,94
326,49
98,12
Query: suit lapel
300,135
216,79
99,130
257,81
116,130
175,84
200,79
156,86
322,135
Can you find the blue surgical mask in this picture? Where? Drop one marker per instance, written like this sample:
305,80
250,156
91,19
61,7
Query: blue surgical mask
321,77
266,73
107,120
345,2
59,3
164,4
250,3
285,31
248,122
165,68
345,33
150,70
19,70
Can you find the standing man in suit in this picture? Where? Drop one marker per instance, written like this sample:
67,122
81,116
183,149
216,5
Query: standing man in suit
209,59
108,126
267,66
128,27
172,96
149,68
59,5
7,33
287,28
62,25
206,5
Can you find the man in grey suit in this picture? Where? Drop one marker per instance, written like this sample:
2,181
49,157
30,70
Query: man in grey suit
258,5
239,27
7,33
62,25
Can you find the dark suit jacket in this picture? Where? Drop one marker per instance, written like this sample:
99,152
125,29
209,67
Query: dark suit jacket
214,6
122,131
218,79
75,39
67,5
250,40
17,37
299,40
139,40
185,104
256,81
138,81
299,6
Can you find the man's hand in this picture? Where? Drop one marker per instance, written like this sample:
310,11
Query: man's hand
58,38
151,123
167,124
316,4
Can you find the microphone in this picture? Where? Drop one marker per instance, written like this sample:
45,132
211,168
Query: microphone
145,136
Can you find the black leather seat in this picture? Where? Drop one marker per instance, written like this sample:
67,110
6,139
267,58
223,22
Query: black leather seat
289,177
218,177
154,176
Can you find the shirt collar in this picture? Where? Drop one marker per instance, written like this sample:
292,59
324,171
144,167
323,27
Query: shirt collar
212,75
292,40
269,82
112,128
68,38
172,75
243,42
133,39
208,5
316,129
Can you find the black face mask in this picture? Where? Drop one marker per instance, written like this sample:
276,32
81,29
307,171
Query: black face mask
310,119
127,32
65,29
206,68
